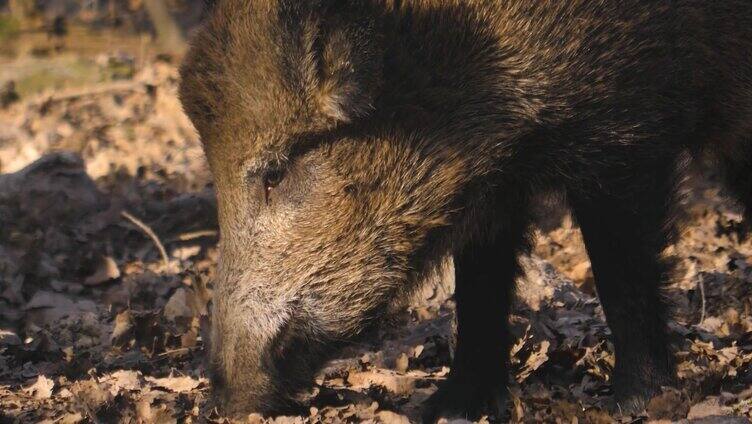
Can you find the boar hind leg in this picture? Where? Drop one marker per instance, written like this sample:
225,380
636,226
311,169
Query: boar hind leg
625,236
477,383
738,173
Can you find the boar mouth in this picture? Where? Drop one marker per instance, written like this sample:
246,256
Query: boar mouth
288,366
281,400
278,377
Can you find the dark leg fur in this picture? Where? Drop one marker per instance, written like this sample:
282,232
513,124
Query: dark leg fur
477,383
738,173
625,236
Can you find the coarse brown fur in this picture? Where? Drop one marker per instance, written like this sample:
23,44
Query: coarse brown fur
356,142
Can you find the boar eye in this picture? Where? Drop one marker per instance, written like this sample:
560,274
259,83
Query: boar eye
271,179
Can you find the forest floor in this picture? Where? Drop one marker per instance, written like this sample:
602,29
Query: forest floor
98,325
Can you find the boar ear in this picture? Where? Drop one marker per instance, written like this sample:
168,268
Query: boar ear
350,66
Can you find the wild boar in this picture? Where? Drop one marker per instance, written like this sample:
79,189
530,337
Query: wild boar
354,143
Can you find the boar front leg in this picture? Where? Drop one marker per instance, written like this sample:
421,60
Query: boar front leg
485,276
625,235
737,171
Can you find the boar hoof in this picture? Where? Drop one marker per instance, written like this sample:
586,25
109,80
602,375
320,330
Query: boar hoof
629,405
467,400
632,397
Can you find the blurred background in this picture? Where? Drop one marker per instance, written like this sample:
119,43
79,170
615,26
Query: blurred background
65,51
94,22
60,42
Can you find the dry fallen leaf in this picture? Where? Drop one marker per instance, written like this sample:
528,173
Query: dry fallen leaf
518,408
669,405
106,271
72,418
402,363
178,306
9,338
288,420
123,380
90,395
176,384
123,329
397,384
150,413
708,408
389,417
42,388
255,418
536,359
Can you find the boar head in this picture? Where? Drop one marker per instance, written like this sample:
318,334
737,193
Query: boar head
333,202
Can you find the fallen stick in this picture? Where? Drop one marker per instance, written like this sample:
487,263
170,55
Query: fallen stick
95,91
701,283
196,235
149,232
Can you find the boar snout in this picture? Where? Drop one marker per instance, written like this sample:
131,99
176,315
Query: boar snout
261,355
240,367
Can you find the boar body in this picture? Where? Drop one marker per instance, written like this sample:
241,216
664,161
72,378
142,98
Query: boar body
355,143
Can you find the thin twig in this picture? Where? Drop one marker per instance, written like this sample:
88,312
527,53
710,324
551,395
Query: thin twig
196,235
85,406
701,283
175,351
149,232
97,90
